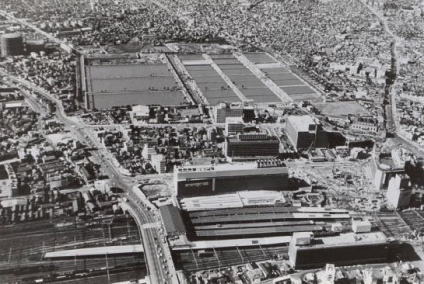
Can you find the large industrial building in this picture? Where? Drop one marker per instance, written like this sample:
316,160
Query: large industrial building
304,132
346,249
226,178
251,146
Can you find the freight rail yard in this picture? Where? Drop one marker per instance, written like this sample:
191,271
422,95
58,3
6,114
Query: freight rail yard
23,248
211,142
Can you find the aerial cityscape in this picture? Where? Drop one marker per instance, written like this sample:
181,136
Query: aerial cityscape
212,141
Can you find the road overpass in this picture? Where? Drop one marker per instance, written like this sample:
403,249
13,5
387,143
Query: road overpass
160,270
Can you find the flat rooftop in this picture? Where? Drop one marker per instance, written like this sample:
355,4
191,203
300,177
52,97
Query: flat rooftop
223,170
350,239
301,122
247,242
255,221
266,216
172,219
258,231
267,209
95,251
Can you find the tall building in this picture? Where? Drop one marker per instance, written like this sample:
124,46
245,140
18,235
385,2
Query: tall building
399,191
225,178
302,131
383,168
252,145
11,44
159,163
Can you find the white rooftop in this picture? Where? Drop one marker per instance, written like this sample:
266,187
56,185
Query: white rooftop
233,243
301,122
93,251
218,167
141,109
232,200
232,119
352,238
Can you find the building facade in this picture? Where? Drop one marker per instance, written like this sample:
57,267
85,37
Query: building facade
226,178
348,249
399,192
252,145
11,44
302,131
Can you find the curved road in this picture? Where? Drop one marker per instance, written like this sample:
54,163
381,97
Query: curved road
159,262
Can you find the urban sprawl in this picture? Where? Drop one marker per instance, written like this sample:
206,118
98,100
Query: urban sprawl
212,141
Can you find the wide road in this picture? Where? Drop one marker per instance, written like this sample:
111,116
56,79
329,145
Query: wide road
160,268
397,43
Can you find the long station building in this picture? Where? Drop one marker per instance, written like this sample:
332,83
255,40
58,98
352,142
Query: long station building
190,181
261,221
249,222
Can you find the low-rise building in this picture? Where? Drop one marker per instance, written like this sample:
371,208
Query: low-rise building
367,125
